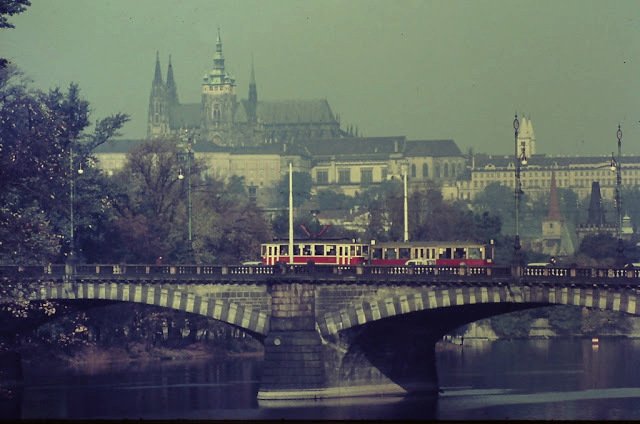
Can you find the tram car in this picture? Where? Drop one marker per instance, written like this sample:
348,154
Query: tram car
346,252
319,252
440,253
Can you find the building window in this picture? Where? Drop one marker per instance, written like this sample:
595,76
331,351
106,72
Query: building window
437,170
446,170
425,170
344,176
253,193
322,176
384,174
413,170
366,176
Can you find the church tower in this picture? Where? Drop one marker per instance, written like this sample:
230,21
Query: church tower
252,104
219,101
556,240
526,138
158,121
171,90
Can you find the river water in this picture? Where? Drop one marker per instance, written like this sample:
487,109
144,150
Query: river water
523,379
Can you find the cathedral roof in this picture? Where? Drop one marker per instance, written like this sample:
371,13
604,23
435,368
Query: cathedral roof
294,112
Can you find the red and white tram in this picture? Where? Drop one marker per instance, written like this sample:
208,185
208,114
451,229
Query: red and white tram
320,252
345,252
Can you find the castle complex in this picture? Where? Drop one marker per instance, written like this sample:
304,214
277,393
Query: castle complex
257,139
224,119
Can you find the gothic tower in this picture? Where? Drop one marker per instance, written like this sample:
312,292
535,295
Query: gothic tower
218,101
252,104
526,138
158,121
171,90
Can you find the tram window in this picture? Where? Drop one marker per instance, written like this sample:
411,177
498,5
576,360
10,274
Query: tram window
263,250
352,250
331,250
474,253
296,249
376,253
365,250
306,250
318,250
445,253
390,253
459,253
405,253
284,249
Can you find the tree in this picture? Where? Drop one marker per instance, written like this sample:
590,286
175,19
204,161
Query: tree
153,218
302,184
38,132
329,199
10,8
148,204
498,200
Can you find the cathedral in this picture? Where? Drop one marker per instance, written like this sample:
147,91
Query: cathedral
225,120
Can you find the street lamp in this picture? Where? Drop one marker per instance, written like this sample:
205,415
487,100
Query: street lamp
405,169
616,166
181,176
71,258
520,160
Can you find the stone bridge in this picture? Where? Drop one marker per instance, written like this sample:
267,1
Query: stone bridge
338,331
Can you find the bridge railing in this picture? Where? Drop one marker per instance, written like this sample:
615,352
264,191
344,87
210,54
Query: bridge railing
532,273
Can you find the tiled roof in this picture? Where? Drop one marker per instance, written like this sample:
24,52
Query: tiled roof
294,112
543,161
433,148
355,146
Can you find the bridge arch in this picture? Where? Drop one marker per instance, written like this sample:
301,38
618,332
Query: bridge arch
248,319
612,298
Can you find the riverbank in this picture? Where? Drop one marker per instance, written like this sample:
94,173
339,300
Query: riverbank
96,358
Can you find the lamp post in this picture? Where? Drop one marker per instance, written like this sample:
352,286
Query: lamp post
405,169
181,176
71,258
616,166
520,160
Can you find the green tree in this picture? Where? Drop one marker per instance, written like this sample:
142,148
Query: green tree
153,215
329,199
498,200
149,202
10,8
302,184
38,132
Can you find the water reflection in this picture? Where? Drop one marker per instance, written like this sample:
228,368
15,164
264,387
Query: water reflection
541,379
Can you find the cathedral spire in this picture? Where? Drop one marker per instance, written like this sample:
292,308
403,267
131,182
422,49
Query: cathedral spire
253,95
172,91
554,205
157,77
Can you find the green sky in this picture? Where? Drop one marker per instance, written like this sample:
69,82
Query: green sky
424,69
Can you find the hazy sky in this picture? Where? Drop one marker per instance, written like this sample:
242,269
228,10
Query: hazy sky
424,69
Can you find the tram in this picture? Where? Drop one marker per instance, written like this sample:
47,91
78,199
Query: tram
441,253
320,252
346,252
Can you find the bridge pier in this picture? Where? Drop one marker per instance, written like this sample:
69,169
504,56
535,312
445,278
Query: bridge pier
373,359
